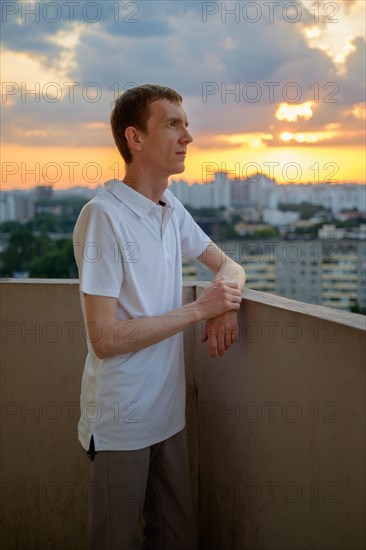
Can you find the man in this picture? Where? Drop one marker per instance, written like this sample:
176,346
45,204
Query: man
129,242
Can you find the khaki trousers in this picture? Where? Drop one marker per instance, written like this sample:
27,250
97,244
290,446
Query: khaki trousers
141,499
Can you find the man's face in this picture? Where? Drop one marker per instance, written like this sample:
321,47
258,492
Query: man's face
164,146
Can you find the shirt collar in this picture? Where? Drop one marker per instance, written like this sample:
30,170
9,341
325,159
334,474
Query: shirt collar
134,200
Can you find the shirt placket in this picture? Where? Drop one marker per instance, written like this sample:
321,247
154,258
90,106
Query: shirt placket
167,212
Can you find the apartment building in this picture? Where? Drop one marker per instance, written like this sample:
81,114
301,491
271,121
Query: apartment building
329,273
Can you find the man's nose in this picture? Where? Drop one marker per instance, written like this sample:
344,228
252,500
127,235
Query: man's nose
186,137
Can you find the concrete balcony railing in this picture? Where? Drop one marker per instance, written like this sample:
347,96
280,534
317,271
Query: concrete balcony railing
276,427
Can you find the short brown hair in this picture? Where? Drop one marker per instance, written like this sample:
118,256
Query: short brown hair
131,108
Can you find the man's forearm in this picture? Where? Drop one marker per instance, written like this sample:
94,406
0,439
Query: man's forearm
127,336
222,265
119,337
231,271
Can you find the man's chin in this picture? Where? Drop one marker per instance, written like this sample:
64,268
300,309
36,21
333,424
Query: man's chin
179,169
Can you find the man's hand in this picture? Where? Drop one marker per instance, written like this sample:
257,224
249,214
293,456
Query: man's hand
221,328
217,298
221,332
221,300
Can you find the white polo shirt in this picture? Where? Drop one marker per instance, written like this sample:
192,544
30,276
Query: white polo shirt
130,248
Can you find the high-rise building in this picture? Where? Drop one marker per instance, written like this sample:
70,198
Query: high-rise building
16,206
43,193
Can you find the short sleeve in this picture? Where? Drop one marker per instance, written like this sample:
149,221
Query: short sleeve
194,240
96,252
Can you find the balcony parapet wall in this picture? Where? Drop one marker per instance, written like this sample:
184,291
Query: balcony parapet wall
276,427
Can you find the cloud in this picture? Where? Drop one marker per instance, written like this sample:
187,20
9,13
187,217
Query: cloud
233,75
291,113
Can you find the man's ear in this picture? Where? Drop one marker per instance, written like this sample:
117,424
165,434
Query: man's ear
134,138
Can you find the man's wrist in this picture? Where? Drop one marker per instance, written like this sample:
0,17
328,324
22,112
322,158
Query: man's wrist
234,272
195,312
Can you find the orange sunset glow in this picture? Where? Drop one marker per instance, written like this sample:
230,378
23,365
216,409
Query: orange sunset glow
305,122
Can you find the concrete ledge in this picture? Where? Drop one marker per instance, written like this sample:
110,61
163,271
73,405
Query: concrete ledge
353,320
346,318
276,427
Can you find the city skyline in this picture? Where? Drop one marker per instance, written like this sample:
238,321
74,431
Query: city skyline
269,88
180,178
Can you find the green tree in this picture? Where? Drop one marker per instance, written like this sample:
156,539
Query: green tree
266,232
56,262
21,248
355,308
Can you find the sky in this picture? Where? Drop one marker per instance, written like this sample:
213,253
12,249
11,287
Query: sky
272,87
